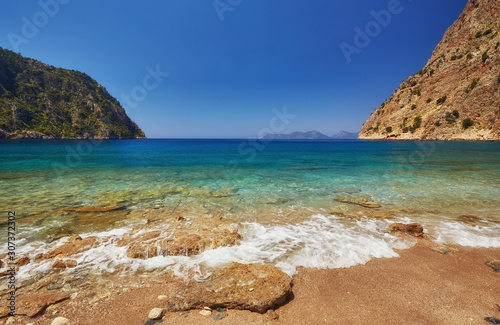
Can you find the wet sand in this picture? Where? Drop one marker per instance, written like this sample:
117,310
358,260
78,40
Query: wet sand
420,287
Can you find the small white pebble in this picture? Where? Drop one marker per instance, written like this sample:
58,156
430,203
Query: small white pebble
162,297
206,313
60,321
156,313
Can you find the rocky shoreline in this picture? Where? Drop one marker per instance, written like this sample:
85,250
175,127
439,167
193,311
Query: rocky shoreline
41,136
62,294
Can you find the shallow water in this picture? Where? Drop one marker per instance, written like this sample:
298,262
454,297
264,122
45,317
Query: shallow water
283,186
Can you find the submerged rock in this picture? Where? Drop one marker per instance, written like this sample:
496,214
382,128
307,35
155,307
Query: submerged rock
179,241
358,199
74,245
23,261
277,200
347,190
238,286
63,264
91,209
226,191
413,229
475,221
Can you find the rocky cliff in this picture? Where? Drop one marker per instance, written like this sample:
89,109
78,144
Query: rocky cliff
41,101
456,95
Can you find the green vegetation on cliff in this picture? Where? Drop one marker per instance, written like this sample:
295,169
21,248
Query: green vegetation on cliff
456,95
41,101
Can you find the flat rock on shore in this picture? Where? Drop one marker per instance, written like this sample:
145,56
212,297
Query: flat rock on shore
251,287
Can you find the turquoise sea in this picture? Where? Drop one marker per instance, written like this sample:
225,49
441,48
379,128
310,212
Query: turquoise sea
299,199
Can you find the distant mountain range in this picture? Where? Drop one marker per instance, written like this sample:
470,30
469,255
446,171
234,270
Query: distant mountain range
309,135
345,135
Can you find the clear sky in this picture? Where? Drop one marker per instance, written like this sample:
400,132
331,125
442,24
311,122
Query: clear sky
231,62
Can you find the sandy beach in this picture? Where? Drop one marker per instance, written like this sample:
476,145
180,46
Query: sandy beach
421,286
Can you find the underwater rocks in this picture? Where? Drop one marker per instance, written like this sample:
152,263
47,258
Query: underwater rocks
74,245
475,220
358,199
347,190
250,287
413,229
63,264
277,200
199,236
202,192
91,209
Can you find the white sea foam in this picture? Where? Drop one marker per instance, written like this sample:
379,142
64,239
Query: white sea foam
321,242
486,235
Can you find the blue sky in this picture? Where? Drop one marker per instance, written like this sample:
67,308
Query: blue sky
232,63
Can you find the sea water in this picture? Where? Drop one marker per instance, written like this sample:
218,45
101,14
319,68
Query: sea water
287,195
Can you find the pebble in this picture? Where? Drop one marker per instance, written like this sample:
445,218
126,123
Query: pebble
60,321
205,312
492,320
219,316
156,313
272,314
162,297
495,265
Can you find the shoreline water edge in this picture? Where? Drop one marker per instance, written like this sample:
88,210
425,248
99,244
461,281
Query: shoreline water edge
155,218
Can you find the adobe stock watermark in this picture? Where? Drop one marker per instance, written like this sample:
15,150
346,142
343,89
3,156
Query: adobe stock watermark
373,28
223,6
48,10
250,148
418,157
151,81
75,155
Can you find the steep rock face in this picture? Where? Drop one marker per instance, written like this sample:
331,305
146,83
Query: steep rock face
40,101
456,96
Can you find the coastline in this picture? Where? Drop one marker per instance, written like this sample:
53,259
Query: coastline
123,227
421,286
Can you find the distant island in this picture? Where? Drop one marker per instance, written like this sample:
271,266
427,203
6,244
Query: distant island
309,135
44,102
456,95
345,135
